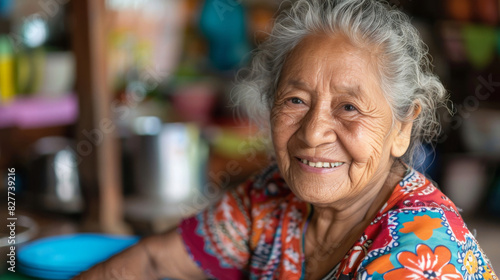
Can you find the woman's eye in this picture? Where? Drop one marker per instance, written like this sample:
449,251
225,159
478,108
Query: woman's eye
349,107
296,100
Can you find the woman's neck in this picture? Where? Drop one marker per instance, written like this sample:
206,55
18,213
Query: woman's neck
335,221
333,230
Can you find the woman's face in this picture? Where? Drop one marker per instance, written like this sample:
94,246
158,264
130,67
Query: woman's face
331,125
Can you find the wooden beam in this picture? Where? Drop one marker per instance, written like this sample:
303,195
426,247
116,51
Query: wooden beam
96,143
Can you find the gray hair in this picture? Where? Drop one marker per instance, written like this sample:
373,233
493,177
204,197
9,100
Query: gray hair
404,64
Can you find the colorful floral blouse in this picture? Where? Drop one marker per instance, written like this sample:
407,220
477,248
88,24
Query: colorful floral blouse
256,232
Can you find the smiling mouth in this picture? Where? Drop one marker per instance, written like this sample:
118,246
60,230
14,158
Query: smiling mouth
321,164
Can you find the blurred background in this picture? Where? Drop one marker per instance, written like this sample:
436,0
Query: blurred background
117,118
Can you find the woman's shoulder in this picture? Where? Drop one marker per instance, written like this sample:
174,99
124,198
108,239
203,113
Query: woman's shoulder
422,228
415,191
418,204
275,212
418,242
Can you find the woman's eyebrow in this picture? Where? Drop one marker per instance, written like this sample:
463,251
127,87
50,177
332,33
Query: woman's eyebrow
354,90
299,84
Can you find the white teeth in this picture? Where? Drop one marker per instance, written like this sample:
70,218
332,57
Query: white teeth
321,164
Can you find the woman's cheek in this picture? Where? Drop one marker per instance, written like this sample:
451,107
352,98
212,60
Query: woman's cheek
282,120
363,141
280,125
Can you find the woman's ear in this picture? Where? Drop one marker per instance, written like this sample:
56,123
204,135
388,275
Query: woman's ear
403,135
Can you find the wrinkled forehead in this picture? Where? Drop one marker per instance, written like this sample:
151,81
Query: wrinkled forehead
331,61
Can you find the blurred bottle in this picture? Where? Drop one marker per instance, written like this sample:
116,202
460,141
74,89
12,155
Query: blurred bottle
6,70
30,70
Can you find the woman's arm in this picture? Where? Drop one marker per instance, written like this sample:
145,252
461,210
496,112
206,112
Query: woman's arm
155,257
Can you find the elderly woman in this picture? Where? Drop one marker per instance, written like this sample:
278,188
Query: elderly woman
346,89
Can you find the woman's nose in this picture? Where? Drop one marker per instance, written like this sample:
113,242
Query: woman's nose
318,127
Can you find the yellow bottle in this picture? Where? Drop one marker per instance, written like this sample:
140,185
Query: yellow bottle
6,70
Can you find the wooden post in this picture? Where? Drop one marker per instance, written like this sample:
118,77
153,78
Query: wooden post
96,143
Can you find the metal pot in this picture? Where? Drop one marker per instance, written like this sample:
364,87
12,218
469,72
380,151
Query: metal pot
169,159
54,175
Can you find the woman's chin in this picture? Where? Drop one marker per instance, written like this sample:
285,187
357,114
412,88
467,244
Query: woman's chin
319,195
